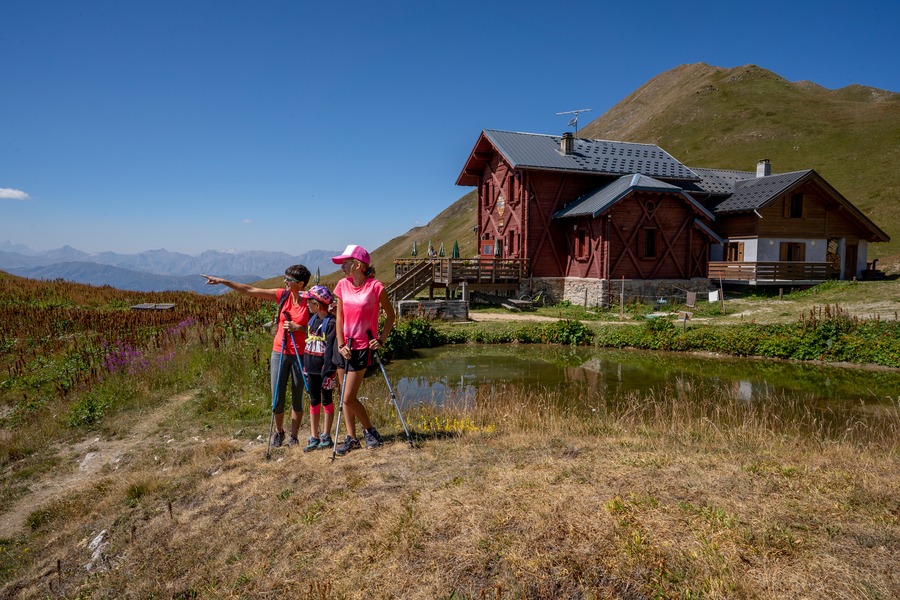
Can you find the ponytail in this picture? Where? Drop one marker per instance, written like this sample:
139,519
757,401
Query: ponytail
370,272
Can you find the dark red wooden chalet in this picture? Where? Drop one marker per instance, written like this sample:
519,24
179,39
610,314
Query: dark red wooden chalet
587,208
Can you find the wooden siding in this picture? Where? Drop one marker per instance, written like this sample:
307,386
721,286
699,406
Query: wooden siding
823,217
741,225
528,230
680,250
548,243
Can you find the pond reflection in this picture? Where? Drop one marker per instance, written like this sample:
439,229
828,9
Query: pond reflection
456,371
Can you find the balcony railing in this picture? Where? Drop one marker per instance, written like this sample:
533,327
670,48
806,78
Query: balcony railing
770,271
451,271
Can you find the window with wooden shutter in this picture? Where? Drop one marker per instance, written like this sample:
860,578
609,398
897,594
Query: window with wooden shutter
734,251
792,252
582,243
797,208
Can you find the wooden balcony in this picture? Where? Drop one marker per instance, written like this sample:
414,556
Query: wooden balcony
770,273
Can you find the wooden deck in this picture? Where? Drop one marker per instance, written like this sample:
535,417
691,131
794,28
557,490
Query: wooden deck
413,275
770,273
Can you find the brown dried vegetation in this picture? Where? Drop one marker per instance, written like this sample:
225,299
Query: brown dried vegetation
684,494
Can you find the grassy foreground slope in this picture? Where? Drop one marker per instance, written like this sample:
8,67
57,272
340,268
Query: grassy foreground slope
712,117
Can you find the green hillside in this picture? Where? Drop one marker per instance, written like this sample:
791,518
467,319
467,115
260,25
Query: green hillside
455,223
712,117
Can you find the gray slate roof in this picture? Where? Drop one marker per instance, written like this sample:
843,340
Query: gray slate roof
599,200
530,150
747,191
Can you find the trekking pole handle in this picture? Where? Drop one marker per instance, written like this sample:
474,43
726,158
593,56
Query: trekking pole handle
371,336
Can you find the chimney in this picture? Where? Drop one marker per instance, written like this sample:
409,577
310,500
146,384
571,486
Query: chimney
763,168
567,144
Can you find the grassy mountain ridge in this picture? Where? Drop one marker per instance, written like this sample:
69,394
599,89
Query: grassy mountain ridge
729,118
713,117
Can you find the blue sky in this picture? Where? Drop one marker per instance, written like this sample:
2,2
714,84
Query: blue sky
293,126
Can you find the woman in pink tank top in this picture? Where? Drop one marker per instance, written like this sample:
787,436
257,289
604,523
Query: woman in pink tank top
360,297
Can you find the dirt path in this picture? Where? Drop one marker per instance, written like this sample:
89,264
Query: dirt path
91,455
483,317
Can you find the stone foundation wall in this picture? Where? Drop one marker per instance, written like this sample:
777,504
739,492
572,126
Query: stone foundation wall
448,310
597,291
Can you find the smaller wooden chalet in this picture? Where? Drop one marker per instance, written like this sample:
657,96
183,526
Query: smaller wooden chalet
789,228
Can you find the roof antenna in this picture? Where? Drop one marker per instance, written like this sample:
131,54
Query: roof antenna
574,120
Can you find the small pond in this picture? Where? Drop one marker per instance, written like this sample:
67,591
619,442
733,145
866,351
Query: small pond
437,373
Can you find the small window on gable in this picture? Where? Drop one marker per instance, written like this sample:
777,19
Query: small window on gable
647,243
796,206
793,206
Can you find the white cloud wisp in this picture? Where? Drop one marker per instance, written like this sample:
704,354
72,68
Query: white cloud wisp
11,194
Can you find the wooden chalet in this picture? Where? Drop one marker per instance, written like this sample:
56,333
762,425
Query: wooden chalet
785,229
587,212
590,218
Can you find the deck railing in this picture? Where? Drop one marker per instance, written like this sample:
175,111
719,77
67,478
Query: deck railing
449,271
770,271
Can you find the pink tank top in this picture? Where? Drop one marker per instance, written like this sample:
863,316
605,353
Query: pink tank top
361,309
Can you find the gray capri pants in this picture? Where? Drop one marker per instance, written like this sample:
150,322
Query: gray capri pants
290,365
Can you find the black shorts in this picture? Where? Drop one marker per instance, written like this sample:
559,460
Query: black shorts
359,360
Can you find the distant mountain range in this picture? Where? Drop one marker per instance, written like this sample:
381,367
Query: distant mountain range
155,270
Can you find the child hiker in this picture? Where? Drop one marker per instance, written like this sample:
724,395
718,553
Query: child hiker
289,299
318,359
359,297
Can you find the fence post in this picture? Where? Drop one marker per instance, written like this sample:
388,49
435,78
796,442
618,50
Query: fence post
722,294
622,300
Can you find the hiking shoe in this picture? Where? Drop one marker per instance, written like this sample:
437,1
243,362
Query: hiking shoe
324,441
293,441
311,444
277,439
373,439
349,444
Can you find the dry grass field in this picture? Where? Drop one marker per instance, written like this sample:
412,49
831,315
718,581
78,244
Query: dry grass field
687,493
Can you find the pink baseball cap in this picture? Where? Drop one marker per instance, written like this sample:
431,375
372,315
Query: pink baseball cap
357,252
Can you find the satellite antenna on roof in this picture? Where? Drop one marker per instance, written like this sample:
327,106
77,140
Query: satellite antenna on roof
574,120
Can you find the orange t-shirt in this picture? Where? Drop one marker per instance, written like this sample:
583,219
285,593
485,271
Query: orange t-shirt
299,315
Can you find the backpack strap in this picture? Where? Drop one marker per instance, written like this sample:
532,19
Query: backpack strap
281,302
325,325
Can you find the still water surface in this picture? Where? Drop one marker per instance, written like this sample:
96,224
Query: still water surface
438,373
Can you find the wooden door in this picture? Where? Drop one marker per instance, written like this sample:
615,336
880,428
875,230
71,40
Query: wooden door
851,253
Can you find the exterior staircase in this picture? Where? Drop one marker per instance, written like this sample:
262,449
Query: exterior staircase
412,282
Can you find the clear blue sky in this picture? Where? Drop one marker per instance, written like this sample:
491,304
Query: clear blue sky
293,126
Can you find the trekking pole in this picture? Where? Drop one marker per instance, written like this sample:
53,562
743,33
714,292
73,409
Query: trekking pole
275,397
287,317
393,396
340,415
